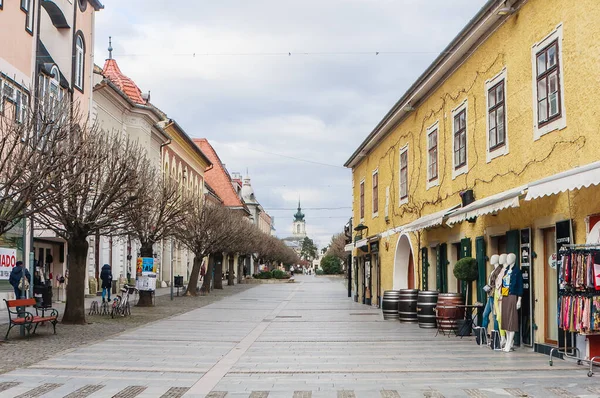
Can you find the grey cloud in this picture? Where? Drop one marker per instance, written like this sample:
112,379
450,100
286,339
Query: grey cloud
317,107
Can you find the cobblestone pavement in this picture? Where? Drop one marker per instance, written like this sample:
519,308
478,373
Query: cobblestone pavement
20,352
305,339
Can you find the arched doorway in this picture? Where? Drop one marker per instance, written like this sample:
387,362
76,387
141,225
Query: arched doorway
404,269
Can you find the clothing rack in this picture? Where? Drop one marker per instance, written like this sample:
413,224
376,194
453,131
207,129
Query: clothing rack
570,288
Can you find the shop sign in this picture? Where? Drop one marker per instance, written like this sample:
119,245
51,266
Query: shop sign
8,260
374,246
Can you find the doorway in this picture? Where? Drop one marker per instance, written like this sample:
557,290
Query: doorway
550,286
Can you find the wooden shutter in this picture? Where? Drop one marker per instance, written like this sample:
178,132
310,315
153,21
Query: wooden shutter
424,269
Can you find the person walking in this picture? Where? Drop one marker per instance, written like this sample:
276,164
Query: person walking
19,279
106,277
202,271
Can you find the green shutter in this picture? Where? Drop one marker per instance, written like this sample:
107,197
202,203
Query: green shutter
513,244
438,269
444,267
480,256
424,269
465,248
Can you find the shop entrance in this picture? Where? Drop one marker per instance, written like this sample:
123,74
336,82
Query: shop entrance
550,286
403,265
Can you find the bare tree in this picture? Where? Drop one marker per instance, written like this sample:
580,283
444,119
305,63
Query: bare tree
30,151
90,195
158,207
337,246
203,230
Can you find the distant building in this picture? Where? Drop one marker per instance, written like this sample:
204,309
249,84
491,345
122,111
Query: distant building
298,231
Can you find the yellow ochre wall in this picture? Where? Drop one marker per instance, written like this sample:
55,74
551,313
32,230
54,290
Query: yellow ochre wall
510,47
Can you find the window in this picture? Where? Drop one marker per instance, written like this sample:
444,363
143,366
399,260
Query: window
362,200
432,155
548,98
496,117
79,62
21,101
375,193
548,84
404,175
28,10
460,139
51,92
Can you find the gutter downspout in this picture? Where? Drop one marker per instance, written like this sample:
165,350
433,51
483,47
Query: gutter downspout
162,241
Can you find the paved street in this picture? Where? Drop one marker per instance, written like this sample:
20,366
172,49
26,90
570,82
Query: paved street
305,339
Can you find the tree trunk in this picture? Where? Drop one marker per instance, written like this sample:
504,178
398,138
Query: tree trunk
193,282
77,258
208,276
231,271
145,300
218,271
240,268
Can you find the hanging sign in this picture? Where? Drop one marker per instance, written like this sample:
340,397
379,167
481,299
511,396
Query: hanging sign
8,260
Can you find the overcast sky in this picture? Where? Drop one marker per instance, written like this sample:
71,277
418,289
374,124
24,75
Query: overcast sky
261,107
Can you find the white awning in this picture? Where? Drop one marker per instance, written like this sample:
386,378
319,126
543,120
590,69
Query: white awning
349,247
491,204
579,177
361,243
428,221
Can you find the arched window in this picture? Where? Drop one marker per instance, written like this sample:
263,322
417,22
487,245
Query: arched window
79,62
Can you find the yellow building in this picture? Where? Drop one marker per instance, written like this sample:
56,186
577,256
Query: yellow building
491,148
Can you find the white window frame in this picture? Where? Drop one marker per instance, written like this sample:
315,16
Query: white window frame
374,213
503,150
361,201
433,183
28,10
561,122
403,150
465,168
79,62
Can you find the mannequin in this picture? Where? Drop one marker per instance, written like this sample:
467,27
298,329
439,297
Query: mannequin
490,290
498,297
512,291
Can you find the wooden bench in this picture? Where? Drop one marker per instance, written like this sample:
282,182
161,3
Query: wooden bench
18,316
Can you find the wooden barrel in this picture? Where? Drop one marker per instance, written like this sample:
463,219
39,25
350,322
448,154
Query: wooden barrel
390,304
426,303
447,311
407,309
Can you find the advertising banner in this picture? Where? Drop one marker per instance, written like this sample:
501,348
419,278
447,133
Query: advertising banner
8,260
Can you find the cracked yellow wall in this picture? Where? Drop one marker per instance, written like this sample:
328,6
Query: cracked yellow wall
510,47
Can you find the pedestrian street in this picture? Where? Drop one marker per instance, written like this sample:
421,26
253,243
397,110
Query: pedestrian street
302,339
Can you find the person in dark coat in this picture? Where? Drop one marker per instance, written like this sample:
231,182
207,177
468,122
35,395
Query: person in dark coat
15,278
106,278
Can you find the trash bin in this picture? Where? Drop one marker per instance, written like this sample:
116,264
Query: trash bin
178,282
43,295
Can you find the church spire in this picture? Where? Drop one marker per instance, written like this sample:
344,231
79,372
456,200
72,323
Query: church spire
110,47
299,216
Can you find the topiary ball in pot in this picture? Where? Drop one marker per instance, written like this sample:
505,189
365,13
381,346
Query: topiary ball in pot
466,270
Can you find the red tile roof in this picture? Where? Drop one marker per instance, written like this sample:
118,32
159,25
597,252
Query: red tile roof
113,73
218,177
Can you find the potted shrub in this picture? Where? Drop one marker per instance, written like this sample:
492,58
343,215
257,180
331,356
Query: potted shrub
465,270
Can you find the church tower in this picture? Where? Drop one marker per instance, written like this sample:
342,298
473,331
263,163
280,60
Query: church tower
299,225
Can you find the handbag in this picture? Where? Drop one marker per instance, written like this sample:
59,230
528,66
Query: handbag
23,282
495,340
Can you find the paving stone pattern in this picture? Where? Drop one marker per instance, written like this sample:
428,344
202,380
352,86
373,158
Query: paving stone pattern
295,340
130,392
39,391
84,391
